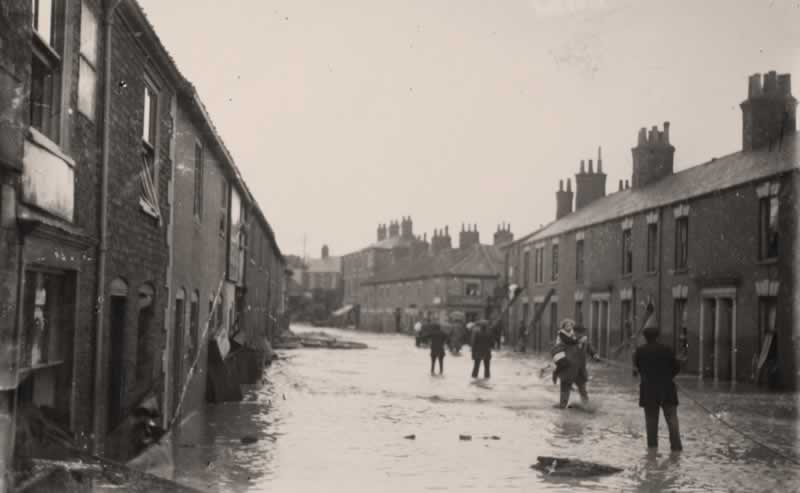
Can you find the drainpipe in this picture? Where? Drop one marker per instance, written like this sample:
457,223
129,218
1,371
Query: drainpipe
660,276
99,394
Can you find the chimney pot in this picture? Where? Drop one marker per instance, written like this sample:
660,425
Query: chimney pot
642,136
582,169
569,185
785,85
754,86
627,184
620,185
666,132
770,83
560,185
591,168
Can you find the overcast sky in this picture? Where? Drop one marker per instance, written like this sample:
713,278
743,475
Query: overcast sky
348,113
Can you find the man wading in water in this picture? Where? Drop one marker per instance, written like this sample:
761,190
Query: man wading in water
482,343
657,366
438,339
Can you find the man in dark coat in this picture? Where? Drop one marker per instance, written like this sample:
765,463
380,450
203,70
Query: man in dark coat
657,366
482,351
438,340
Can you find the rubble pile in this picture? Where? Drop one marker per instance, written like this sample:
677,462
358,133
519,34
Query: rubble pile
291,340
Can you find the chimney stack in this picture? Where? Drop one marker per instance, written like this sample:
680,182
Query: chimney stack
769,112
468,237
407,228
381,232
563,199
653,156
589,186
394,229
503,234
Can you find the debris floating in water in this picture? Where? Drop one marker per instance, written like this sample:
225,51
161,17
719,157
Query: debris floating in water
465,437
249,439
572,468
410,437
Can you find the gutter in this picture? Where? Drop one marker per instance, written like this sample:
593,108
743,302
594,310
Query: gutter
99,394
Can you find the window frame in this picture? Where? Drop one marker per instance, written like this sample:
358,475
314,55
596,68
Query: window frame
554,262
199,170
85,61
766,251
651,261
681,243
627,252
526,267
579,260
46,99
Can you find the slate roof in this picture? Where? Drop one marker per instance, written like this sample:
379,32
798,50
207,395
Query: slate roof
478,261
718,174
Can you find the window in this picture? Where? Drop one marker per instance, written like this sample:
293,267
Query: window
46,68
627,252
652,247
526,261
579,313
144,357
579,260
149,200
223,219
198,181
681,243
539,266
87,78
768,228
554,271
45,318
473,289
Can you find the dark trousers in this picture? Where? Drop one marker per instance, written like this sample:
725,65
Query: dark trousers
566,389
671,417
477,366
439,357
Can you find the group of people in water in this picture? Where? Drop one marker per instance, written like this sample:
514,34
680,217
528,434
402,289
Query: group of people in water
655,364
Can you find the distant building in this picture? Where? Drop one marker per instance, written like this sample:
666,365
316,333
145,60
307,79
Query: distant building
714,247
316,286
433,281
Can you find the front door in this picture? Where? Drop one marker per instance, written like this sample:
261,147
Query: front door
118,312
178,354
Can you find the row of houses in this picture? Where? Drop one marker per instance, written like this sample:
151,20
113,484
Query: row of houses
712,247
128,238
402,278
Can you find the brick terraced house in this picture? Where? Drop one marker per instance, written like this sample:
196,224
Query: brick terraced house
714,247
106,212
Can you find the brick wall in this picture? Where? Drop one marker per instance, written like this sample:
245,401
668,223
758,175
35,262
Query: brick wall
723,252
137,243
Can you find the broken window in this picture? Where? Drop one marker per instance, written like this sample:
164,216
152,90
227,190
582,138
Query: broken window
46,67
768,227
87,81
148,174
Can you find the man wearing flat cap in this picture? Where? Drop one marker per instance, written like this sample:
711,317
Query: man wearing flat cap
657,366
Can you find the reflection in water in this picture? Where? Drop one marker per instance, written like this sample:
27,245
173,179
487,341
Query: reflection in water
332,420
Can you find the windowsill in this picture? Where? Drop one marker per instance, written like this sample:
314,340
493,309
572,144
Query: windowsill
627,275
682,270
42,43
45,143
40,366
651,273
148,209
767,261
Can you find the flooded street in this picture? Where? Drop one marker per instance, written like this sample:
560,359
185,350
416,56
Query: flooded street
336,420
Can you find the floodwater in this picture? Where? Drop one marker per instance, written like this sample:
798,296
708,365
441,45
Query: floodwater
335,420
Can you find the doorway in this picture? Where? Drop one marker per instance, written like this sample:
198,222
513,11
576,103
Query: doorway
117,314
177,349
717,357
